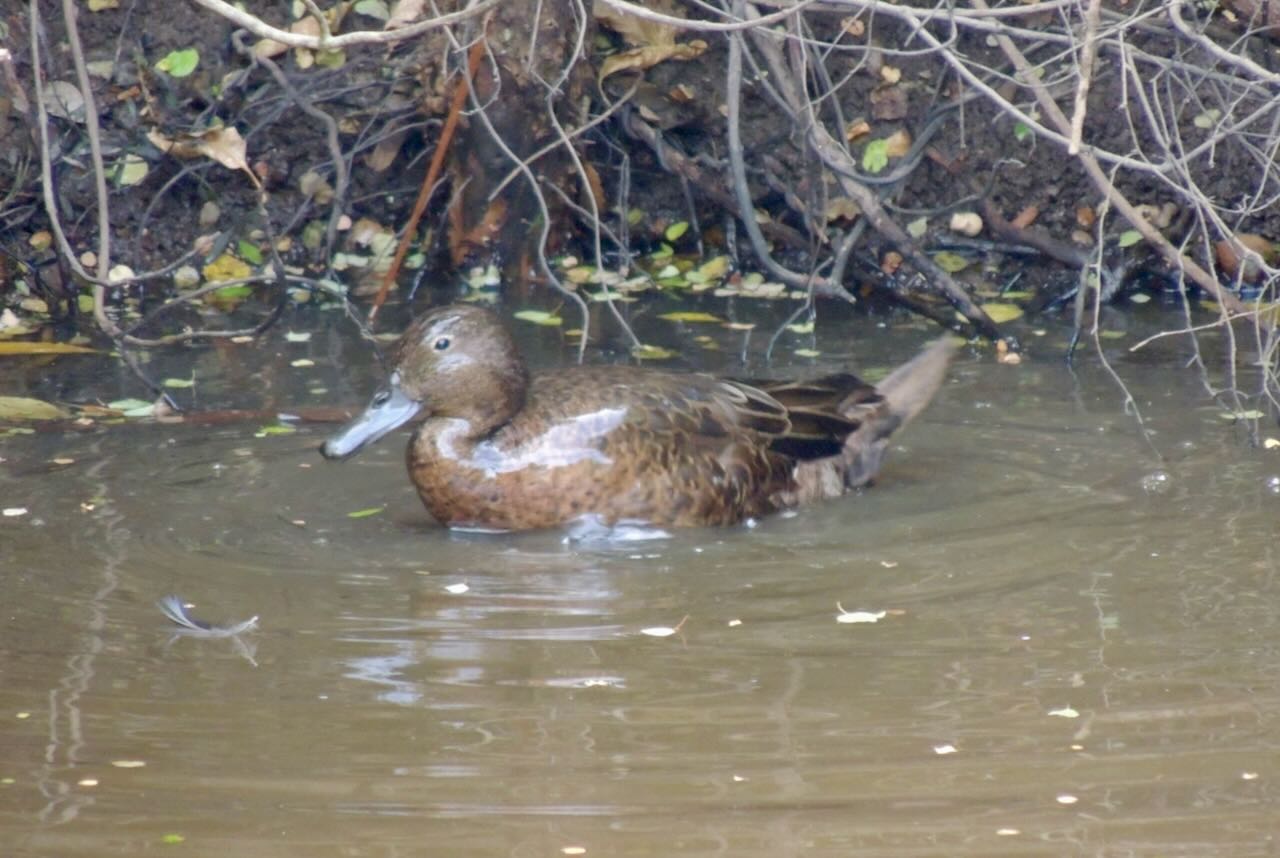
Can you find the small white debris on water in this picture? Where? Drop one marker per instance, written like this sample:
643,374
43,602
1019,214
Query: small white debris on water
1007,832
944,749
456,589
14,511
658,631
1064,712
1248,776
858,616
1067,798
735,623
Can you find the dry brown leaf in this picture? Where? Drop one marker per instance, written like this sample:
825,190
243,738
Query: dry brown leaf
1026,217
897,144
386,151
853,26
1085,216
647,57
857,129
223,144
1231,260
841,208
405,13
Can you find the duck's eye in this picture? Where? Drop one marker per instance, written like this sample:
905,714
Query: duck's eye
381,397
441,344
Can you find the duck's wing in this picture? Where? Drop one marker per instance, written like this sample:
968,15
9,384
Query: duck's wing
822,412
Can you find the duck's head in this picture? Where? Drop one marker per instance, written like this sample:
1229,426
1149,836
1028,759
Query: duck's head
458,362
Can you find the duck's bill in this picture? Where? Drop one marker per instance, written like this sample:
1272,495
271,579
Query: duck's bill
389,410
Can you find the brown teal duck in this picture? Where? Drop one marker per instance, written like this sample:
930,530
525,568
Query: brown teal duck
501,448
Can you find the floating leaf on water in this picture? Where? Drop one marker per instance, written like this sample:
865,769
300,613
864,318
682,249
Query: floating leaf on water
14,512
275,429
1129,237
801,327
1139,298
99,5
128,764
950,262
24,348
740,326
1248,414
302,363
1001,312
675,231
172,839
943,750
691,316
807,353
179,63
539,317
1064,712
179,383
25,408
457,589
366,512
644,351
297,336
714,268
658,631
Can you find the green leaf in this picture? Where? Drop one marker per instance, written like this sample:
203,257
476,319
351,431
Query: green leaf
1021,132
950,262
179,63
539,317
133,407
366,512
801,327
24,408
677,229
809,353
179,383
249,252
1130,237
876,156
918,227
644,351
691,316
1001,313
172,839
275,429
130,170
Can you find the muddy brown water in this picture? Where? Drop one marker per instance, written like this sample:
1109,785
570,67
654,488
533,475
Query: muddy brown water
1078,654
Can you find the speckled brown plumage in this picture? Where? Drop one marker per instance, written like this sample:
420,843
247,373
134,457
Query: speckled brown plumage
502,449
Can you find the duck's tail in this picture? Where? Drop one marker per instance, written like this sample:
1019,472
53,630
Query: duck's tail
904,393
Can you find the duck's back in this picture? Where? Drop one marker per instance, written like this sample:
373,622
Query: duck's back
616,442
